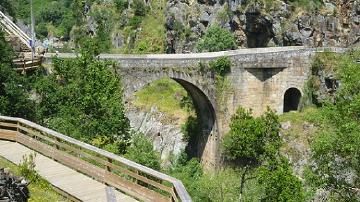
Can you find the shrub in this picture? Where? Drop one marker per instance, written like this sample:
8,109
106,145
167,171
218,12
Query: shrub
142,151
217,39
135,21
221,66
139,7
121,4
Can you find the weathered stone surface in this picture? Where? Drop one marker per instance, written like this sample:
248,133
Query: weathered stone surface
167,138
259,78
278,24
12,188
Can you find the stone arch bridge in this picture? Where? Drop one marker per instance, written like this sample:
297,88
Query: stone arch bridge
259,78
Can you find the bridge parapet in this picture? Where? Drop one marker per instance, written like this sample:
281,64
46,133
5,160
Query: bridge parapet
275,57
129,177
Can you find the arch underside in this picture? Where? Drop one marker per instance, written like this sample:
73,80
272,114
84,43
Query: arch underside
199,146
205,115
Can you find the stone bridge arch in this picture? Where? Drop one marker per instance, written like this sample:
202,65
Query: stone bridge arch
201,89
259,78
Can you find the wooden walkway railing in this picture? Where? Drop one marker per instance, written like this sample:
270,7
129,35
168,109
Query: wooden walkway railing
129,177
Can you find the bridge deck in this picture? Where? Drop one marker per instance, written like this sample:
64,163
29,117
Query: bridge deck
77,185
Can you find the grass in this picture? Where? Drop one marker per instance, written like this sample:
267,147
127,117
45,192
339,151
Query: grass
151,34
41,191
166,95
299,135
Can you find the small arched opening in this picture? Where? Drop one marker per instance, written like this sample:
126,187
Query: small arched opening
291,99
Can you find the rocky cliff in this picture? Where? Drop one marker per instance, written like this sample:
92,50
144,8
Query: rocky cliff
263,23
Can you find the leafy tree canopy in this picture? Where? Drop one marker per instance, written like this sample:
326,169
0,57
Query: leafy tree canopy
335,149
13,87
83,98
252,138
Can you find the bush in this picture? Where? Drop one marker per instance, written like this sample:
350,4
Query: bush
121,5
221,66
139,7
142,152
135,21
217,39
279,182
27,167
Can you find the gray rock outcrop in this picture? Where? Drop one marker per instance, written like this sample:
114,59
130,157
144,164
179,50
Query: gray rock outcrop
167,138
259,24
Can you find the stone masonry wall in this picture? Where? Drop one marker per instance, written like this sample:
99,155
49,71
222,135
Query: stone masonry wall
258,78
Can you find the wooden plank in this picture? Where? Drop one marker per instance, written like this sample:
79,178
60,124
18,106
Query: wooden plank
8,135
11,125
63,158
134,189
78,186
180,190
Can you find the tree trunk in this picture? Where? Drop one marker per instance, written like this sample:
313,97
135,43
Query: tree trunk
242,183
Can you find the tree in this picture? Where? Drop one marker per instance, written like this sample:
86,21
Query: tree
252,139
83,98
217,39
335,149
279,182
7,6
14,96
255,143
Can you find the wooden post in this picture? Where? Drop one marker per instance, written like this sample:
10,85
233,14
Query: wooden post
56,145
108,168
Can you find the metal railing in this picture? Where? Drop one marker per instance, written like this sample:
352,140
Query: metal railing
129,177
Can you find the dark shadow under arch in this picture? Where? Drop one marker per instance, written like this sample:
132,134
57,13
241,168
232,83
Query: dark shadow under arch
292,98
205,115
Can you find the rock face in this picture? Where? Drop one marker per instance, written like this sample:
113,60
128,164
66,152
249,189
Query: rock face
167,138
13,188
257,24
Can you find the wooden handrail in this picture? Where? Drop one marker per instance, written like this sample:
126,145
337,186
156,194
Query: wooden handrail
132,178
12,28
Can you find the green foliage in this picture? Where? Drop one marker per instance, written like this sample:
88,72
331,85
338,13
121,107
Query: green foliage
217,39
139,7
221,66
7,6
142,151
166,95
58,14
135,21
279,182
14,99
252,139
255,142
41,190
307,5
27,167
104,17
121,5
191,129
83,98
335,148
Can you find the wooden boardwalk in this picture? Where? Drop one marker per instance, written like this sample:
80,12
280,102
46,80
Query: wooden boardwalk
77,185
